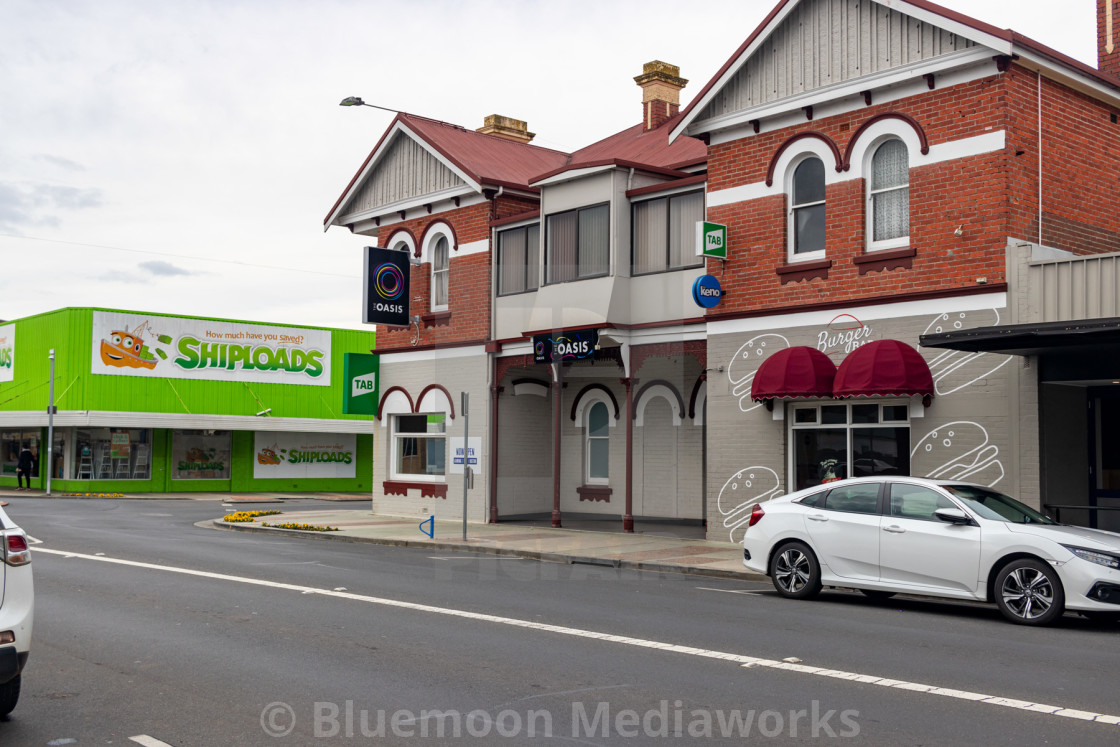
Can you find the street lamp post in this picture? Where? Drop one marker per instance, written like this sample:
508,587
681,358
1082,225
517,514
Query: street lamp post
50,427
357,101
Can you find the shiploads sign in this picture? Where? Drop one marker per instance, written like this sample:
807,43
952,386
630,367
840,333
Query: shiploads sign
166,347
360,372
7,352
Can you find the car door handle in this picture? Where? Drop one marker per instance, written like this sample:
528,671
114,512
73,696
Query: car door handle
894,529
817,517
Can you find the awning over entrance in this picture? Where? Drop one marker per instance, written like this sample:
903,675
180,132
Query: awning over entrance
1029,339
794,372
883,367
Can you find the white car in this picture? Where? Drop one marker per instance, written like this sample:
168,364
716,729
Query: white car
885,535
17,598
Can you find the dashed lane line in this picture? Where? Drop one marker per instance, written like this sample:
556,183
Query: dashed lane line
741,659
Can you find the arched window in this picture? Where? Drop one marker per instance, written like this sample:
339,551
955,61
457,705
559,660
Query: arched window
441,262
807,213
597,450
888,194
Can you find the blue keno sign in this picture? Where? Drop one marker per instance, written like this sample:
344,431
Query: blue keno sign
706,291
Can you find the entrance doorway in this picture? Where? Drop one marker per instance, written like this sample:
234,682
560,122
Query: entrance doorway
1104,458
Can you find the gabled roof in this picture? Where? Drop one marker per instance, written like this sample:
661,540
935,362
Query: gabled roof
480,159
1002,41
639,148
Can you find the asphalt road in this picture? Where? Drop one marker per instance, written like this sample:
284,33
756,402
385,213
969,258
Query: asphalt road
150,629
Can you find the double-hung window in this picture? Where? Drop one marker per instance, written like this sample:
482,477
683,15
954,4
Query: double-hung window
519,259
419,447
889,196
807,213
577,244
664,233
441,265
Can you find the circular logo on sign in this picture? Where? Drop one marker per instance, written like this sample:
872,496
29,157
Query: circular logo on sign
706,291
539,349
389,281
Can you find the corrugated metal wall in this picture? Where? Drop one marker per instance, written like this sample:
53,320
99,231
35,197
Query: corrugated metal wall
1083,287
825,42
406,170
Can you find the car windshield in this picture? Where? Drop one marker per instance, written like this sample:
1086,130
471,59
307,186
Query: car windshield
997,506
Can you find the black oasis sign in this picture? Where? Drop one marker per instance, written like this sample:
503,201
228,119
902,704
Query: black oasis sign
385,287
565,346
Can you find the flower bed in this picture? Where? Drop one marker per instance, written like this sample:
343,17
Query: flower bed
240,516
301,527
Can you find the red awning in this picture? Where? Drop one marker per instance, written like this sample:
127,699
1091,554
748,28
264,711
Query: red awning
883,367
794,372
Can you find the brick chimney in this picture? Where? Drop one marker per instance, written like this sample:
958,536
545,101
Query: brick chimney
1108,37
661,91
506,127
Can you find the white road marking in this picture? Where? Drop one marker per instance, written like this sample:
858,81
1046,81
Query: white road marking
741,659
32,541
147,741
730,591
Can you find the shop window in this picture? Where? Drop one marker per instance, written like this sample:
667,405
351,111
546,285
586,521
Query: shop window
441,264
664,233
519,259
888,195
807,210
112,454
201,455
597,438
12,442
419,448
834,441
577,244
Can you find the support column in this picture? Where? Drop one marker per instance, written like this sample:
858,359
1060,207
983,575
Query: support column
495,390
628,515
557,391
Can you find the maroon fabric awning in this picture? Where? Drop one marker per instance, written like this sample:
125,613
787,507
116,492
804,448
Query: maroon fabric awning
883,367
794,372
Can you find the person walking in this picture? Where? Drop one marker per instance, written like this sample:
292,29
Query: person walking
23,468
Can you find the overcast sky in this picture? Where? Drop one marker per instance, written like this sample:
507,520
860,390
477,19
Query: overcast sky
179,156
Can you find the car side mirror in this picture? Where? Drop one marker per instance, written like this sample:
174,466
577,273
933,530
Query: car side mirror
953,516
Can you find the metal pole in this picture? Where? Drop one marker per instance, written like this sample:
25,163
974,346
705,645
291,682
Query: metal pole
466,458
50,428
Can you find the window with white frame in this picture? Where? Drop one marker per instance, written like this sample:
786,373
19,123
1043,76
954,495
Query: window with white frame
419,447
441,263
807,209
577,244
597,442
519,259
831,441
888,196
664,233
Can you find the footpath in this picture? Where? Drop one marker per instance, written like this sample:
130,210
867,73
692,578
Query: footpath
653,547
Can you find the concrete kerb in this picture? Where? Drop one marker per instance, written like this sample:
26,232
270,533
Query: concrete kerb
480,549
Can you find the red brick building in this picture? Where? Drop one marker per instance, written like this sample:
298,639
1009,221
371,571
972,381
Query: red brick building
921,279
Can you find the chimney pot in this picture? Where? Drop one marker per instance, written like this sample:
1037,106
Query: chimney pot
661,85
507,128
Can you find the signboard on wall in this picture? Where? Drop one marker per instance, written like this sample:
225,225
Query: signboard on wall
287,456
7,352
166,347
472,457
711,240
359,377
566,346
385,284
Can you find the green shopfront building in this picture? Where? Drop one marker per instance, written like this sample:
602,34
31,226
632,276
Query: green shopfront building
157,403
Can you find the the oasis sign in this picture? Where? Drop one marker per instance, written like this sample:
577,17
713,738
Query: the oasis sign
565,346
7,352
284,455
169,347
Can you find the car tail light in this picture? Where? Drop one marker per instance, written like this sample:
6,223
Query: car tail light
16,551
756,515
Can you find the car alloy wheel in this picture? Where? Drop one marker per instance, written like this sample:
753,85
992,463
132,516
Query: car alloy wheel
795,571
1028,592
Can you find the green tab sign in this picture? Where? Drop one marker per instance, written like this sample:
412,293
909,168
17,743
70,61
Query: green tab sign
711,240
360,373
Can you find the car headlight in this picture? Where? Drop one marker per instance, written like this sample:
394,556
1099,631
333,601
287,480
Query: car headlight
1094,556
